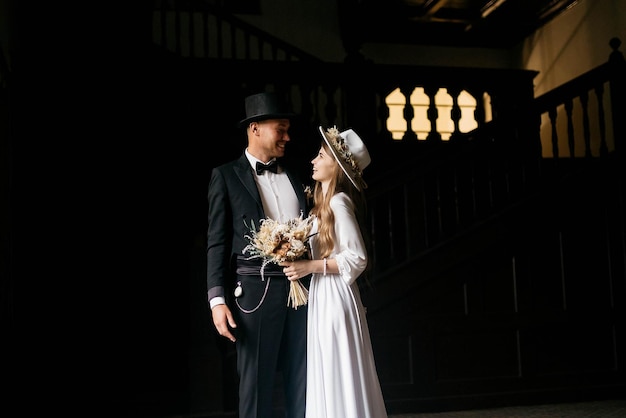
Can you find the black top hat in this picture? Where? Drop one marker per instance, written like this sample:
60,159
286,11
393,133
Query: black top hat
262,106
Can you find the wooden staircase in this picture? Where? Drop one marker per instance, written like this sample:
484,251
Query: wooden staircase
499,273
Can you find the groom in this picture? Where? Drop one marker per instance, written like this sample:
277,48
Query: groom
269,336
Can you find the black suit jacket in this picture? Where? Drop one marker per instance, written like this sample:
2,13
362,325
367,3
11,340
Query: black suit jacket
234,203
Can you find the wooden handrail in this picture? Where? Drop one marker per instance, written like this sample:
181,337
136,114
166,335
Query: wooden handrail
195,28
587,92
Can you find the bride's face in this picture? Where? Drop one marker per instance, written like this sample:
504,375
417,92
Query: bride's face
323,166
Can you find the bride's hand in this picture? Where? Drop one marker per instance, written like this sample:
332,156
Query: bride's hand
295,270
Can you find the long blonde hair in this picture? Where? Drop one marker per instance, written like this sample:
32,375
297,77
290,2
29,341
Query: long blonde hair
326,218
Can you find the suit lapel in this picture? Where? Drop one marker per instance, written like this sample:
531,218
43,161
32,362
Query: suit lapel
245,175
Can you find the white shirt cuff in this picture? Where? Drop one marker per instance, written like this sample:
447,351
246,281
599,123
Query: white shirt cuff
218,300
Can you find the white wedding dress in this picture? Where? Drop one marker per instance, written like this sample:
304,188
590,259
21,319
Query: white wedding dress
341,373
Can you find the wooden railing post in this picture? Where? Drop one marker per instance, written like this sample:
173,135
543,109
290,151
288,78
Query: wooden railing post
617,69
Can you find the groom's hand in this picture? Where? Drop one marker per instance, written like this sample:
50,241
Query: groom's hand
222,319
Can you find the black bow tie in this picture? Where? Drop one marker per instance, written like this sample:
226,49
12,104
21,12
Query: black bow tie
271,166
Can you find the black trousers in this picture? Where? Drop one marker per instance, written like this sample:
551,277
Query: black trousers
271,338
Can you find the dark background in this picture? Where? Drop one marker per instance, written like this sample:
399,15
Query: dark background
107,188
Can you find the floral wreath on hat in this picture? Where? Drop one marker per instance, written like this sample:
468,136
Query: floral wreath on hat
339,143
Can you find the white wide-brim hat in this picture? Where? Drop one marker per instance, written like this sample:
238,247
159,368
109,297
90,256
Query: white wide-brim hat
350,152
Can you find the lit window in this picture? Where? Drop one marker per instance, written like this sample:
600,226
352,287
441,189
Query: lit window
420,125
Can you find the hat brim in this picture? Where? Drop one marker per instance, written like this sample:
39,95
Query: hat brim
344,166
245,122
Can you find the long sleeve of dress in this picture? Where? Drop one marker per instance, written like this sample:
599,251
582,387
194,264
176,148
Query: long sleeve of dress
350,251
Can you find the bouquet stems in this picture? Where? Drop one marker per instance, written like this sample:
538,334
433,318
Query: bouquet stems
298,294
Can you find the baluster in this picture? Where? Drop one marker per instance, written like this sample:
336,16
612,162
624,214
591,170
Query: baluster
316,117
555,135
177,30
392,238
233,43
259,48
382,113
479,112
330,109
570,127
163,18
408,113
618,95
206,36
584,100
373,236
455,112
192,38
432,113
600,95
306,91
220,37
